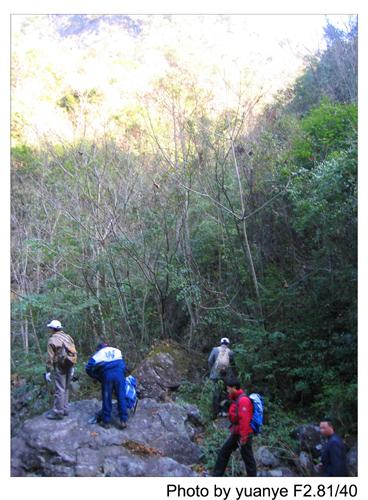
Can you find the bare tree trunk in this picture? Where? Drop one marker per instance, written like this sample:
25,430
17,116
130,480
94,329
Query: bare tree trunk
143,326
98,295
191,306
24,330
244,228
36,338
161,312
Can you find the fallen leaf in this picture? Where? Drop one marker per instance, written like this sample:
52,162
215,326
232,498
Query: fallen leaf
141,449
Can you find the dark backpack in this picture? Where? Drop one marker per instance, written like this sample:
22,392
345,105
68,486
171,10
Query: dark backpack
258,410
67,357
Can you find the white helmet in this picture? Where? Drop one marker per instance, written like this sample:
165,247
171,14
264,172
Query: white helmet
225,340
55,324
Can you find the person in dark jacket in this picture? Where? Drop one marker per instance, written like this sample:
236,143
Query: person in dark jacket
241,434
333,454
108,367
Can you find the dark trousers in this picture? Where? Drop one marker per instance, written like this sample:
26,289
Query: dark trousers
218,395
246,451
113,383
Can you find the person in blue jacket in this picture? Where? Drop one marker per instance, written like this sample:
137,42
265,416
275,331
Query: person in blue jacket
333,455
108,367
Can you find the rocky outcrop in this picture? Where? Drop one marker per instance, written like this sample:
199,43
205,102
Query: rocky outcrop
264,457
159,441
26,400
166,367
309,439
269,464
158,376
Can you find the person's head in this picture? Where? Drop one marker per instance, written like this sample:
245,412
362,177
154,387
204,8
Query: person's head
54,326
232,385
326,427
225,341
101,345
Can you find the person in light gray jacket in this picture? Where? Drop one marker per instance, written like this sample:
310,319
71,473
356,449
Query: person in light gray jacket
215,364
221,365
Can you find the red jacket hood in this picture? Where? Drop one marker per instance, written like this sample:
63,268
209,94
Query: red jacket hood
240,414
236,394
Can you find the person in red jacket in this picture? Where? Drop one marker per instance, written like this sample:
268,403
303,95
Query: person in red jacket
240,415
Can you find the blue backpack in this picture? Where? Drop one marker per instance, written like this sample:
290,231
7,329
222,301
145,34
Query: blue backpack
131,395
258,409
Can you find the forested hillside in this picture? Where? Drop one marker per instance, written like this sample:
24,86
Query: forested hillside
161,193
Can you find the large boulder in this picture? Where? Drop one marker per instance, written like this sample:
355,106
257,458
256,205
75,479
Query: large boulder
166,366
309,438
265,457
158,375
159,441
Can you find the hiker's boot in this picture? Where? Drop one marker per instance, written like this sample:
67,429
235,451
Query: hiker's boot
52,415
105,425
122,425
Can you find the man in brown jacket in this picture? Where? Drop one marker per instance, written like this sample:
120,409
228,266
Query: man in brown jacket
61,358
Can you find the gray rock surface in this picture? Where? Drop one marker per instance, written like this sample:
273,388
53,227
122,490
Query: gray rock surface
158,375
309,438
281,472
265,457
157,442
305,464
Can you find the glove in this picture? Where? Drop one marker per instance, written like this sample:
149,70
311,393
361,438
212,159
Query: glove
243,441
47,376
